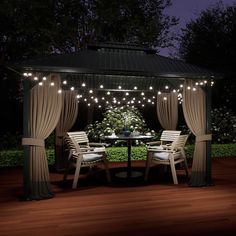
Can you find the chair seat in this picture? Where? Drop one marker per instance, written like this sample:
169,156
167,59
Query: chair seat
99,149
163,155
157,148
91,157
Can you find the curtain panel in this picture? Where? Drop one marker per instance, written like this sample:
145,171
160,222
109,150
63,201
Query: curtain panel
44,112
167,110
67,119
194,109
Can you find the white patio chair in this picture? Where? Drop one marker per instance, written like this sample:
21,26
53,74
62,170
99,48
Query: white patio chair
172,155
81,154
167,137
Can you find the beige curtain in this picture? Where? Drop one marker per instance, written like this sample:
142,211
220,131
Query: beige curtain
67,119
167,110
44,112
194,108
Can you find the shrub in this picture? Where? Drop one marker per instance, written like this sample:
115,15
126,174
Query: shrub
223,126
115,120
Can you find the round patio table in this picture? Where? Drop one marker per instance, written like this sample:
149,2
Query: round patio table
129,173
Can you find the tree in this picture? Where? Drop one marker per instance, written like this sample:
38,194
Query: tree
30,28
134,21
209,41
41,27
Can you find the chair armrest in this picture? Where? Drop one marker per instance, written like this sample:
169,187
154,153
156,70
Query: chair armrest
160,150
153,143
87,149
99,144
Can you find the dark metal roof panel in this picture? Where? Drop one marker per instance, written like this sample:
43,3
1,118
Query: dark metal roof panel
115,62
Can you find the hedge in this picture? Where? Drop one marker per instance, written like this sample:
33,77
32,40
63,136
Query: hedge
10,158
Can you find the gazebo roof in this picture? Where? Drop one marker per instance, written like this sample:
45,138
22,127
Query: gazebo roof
116,59
117,65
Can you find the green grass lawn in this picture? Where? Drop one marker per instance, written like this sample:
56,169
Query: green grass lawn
10,158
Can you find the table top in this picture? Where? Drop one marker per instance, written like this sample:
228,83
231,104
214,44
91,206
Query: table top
130,137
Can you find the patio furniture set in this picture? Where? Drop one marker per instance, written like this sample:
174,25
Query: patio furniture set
82,153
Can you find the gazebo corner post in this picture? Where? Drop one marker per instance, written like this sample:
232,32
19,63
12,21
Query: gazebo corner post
59,151
26,173
208,92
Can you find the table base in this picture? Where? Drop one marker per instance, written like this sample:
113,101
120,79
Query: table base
133,174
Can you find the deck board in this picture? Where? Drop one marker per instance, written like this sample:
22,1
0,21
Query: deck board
97,208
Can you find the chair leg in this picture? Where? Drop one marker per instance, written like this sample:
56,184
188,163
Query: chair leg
186,167
66,172
107,171
173,170
148,162
76,176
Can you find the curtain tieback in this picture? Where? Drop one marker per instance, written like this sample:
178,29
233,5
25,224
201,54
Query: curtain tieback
33,142
204,137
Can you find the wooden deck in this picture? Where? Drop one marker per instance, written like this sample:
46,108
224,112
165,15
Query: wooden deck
136,208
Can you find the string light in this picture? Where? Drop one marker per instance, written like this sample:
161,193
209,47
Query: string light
121,100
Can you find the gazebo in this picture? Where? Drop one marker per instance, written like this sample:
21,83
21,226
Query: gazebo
106,73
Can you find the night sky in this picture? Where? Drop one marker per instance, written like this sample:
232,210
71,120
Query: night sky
186,10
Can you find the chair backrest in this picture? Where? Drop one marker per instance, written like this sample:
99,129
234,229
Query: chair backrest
179,142
71,144
80,137
169,135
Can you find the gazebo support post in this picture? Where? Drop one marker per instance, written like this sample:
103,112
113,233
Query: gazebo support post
209,181
26,173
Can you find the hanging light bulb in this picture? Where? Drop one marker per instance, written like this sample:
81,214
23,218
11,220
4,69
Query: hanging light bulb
64,82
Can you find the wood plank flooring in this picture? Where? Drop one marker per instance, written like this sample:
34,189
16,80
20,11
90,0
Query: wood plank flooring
135,208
